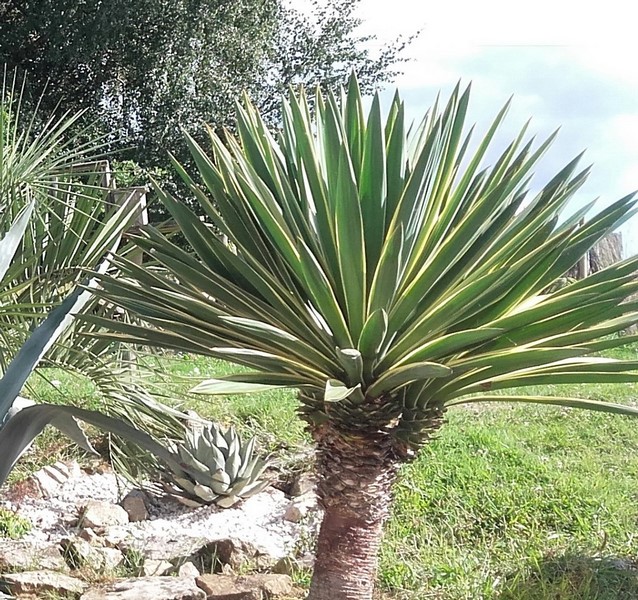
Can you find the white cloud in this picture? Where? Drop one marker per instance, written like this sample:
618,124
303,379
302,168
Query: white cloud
500,22
560,59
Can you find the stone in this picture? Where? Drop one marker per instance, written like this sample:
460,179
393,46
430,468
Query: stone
224,587
174,549
47,485
113,558
156,568
79,553
98,514
49,478
59,472
147,588
237,554
294,513
188,569
299,508
274,586
16,555
247,587
289,565
41,583
115,536
286,566
90,536
293,565
306,561
134,503
303,483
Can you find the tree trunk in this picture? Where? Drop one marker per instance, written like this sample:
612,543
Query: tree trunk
356,474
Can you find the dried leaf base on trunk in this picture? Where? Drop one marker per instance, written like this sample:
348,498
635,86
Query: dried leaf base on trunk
357,469
356,472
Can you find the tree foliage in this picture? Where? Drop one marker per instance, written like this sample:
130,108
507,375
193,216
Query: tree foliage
144,69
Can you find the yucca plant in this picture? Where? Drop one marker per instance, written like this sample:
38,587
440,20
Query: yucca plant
388,276
224,469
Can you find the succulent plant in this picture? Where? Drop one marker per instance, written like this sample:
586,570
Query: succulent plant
221,469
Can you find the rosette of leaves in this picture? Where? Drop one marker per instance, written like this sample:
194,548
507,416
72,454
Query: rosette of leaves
389,273
222,470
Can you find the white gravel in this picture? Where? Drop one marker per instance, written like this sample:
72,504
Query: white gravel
257,520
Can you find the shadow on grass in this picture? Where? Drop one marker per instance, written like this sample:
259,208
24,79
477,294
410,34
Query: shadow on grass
574,577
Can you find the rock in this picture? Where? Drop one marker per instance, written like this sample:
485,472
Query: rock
148,588
134,503
113,558
248,587
211,555
237,554
286,566
274,586
79,553
174,549
24,556
59,474
156,568
302,484
188,569
49,478
224,587
306,561
98,514
90,536
289,565
294,513
41,583
300,507
47,485
115,536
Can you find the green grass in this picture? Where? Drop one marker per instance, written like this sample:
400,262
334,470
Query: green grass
509,502
12,525
502,493
520,503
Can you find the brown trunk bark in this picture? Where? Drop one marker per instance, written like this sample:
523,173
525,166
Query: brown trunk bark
356,473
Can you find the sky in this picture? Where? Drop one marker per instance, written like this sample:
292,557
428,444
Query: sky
566,66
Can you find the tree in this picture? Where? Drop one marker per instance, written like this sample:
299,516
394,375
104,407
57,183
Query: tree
387,277
146,69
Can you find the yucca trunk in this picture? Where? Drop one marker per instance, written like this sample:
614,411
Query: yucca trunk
356,473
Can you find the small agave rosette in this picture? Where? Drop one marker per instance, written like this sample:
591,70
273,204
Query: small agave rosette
216,468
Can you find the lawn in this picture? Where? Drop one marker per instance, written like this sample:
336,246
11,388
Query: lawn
508,503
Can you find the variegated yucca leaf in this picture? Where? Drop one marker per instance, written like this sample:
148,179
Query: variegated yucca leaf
387,272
